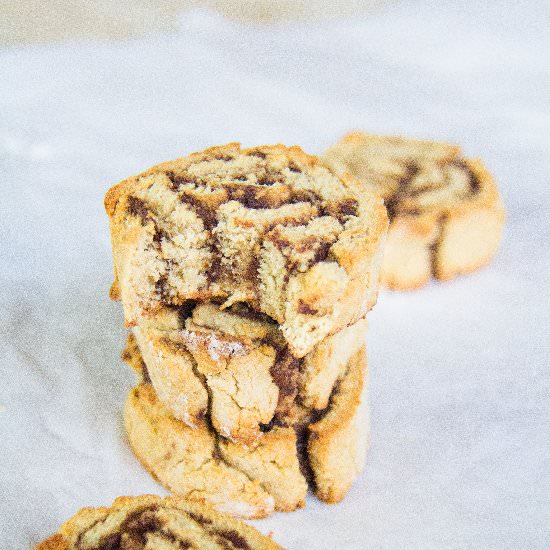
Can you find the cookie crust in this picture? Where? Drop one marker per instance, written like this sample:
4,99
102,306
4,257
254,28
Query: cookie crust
185,460
446,215
337,444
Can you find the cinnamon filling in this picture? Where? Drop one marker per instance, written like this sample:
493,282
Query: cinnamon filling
412,170
235,539
207,215
404,192
136,207
132,534
302,436
286,375
474,181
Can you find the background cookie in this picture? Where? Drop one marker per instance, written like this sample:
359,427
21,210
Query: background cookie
445,211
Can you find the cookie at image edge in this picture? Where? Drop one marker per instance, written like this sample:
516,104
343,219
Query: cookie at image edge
155,523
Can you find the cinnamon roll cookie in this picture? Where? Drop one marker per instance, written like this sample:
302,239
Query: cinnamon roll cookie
272,473
337,443
446,215
154,523
234,365
186,460
269,227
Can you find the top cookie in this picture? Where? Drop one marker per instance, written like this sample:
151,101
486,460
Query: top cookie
268,226
445,210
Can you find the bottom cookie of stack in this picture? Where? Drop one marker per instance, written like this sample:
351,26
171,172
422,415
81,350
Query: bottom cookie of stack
149,522
273,473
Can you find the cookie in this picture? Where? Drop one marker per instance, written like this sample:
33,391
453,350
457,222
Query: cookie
269,227
233,364
251,481
185,460
154,523
446,215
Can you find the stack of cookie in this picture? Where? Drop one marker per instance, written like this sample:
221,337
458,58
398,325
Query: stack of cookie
446,215
245,277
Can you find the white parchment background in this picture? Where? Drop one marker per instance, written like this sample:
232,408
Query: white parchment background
459,372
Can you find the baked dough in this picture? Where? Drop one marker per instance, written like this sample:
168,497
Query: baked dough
234,365
270,227
252,481
149,522
446,215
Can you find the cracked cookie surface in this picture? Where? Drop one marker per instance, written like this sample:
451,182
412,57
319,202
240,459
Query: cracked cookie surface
234,365
269,227
445,211
149,522
253,480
